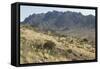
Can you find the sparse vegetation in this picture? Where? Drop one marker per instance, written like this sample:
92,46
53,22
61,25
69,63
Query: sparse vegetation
38,47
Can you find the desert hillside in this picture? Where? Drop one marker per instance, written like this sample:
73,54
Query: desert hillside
39,47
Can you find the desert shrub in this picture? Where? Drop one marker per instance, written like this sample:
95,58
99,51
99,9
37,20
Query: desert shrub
80,54
79,46
49,45
23,39
92,44
52,52
37,44
66,53
84,40
69,51
92,50
71,41
63,35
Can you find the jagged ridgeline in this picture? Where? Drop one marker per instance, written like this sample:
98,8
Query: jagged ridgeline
57,36
66,23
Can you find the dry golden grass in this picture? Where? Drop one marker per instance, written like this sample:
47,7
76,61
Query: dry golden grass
38,47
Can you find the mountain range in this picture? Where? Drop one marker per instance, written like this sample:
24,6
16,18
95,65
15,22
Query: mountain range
62,22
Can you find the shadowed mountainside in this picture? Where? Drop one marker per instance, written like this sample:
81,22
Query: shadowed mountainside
55,20
64,23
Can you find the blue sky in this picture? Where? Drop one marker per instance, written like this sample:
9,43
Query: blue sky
25,11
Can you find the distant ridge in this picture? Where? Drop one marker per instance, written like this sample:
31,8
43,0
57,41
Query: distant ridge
60,20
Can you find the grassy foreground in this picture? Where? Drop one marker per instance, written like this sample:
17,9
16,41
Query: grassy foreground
39,47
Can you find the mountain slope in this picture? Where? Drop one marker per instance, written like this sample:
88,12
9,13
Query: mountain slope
52,48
